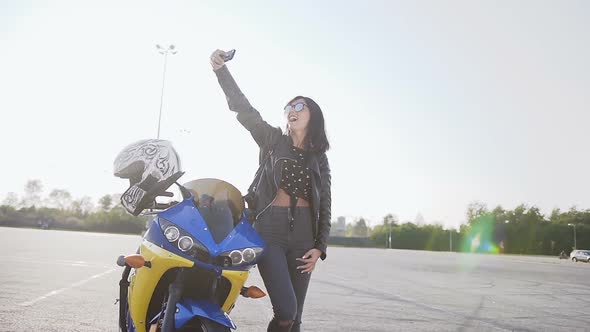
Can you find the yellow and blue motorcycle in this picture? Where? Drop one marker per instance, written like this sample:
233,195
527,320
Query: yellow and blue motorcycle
195,257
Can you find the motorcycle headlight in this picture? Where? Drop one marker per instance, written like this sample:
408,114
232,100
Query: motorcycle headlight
181,239
242,256
171,233
185,243
236,257
248,255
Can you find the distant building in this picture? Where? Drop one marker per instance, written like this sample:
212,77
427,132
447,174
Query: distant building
339,227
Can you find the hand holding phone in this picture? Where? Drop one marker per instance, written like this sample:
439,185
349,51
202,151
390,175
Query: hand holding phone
229,55
219,58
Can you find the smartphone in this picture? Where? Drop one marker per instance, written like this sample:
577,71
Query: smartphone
229,55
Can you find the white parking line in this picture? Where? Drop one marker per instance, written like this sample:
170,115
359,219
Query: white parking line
60,290
28,261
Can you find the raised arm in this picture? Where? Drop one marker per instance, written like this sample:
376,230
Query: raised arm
263,133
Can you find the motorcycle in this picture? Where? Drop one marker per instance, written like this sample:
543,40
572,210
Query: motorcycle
194,259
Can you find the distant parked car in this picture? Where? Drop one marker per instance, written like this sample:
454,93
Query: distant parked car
580,255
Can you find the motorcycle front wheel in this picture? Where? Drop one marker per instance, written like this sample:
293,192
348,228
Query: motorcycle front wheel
200,324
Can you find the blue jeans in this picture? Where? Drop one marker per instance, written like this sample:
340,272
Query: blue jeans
285,241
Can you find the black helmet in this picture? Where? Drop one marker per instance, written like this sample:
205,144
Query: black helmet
151,165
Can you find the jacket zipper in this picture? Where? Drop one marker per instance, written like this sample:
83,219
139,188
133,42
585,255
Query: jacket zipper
276,185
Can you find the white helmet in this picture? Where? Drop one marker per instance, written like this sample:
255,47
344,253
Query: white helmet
151,165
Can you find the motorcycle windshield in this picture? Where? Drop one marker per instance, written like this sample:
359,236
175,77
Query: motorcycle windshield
220,204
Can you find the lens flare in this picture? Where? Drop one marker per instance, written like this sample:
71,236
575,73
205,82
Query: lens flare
475,242
480,236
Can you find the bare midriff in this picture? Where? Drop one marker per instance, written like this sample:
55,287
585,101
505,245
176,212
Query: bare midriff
283,199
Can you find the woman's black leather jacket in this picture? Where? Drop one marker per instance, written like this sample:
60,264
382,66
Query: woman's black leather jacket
272,139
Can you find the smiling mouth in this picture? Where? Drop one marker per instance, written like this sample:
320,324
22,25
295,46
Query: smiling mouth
292,118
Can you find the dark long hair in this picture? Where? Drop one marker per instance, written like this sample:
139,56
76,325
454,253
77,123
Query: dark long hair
316,139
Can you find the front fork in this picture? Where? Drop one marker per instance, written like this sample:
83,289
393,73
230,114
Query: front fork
175,291
123,291
174,294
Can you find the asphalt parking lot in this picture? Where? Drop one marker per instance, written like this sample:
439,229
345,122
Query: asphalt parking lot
68,281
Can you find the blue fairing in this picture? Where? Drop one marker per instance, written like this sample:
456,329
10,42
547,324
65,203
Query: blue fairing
189,308
187,216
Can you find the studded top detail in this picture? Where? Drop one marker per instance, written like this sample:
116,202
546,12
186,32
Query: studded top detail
296,179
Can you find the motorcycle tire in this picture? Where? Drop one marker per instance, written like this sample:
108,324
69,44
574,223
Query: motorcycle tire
201,324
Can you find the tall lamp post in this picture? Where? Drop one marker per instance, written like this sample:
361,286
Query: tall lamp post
575,239
450,239
390,234
164,51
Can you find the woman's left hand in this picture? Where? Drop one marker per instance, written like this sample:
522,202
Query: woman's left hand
310,258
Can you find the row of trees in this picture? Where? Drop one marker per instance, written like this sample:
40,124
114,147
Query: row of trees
60,210
115,220
524,230
59,199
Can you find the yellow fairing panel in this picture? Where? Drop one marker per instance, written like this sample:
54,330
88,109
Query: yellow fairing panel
237,280
145,280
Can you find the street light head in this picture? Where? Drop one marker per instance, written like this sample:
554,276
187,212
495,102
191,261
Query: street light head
173,52
172,47
158,46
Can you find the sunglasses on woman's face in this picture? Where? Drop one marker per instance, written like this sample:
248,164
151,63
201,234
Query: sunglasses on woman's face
297,108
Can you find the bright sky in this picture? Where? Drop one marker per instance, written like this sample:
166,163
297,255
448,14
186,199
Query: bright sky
429,105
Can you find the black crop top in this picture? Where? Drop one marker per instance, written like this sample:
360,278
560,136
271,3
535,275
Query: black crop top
296,179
